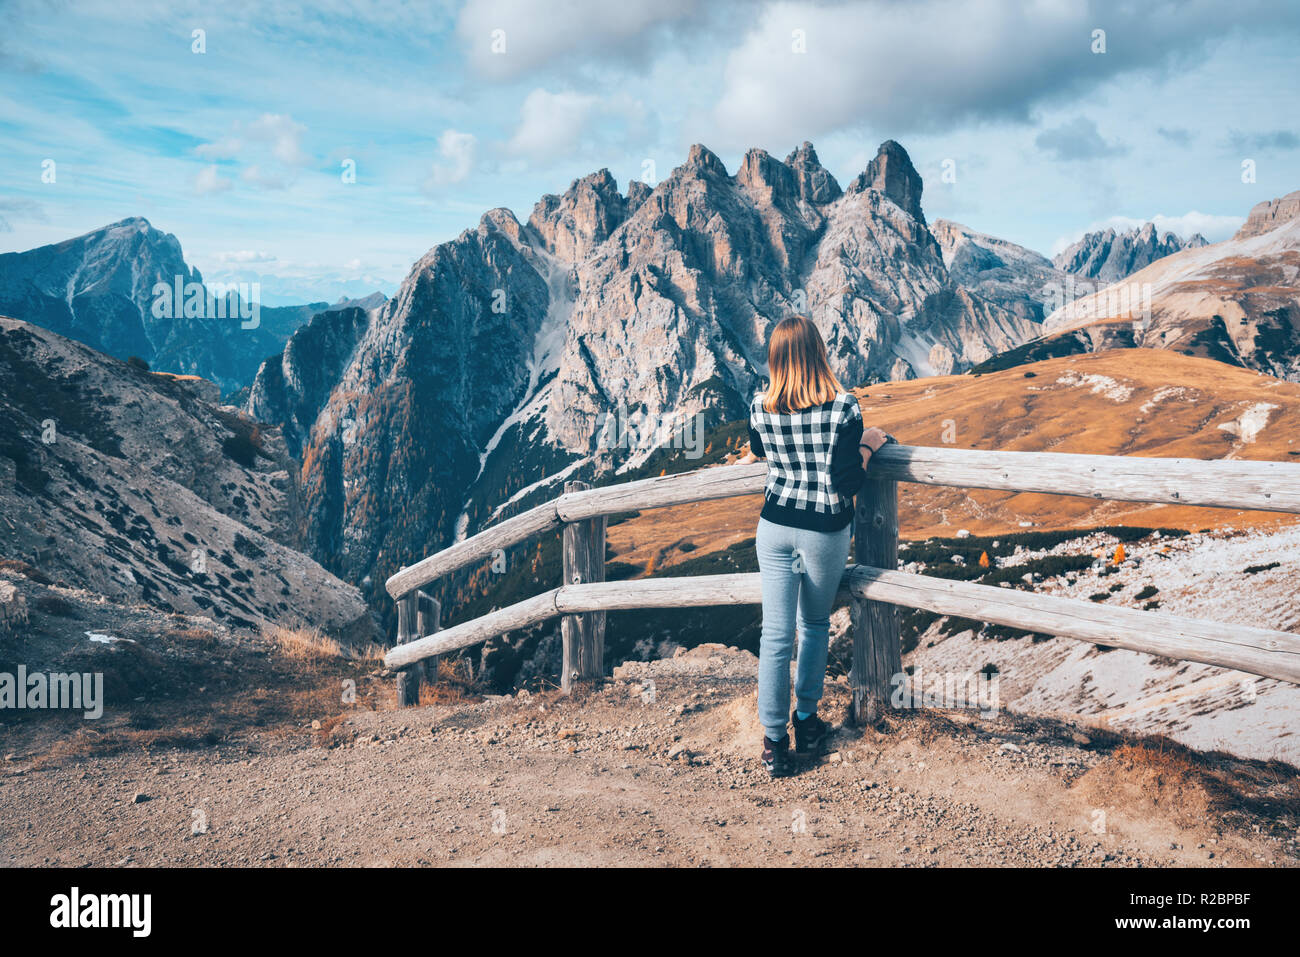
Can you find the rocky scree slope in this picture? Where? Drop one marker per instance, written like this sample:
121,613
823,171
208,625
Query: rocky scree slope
133,485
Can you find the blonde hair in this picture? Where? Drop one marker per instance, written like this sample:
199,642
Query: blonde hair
800,370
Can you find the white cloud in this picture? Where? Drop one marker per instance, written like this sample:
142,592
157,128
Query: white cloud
270,146
276,133
540,34
246,256
457,152
899,68
226,148
551,124
282,135
266,179
24,208
1079,139
1214,228
211,181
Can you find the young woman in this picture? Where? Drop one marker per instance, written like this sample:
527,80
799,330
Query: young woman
810,432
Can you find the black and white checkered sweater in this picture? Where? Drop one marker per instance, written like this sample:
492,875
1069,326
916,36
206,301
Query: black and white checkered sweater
814,467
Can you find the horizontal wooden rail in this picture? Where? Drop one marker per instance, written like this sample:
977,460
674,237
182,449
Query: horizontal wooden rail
1258,651
1257,485
512,531
1264,486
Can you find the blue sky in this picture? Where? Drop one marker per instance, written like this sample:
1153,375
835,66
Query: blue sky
448,109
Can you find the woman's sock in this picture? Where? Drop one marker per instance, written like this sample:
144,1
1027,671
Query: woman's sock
803,715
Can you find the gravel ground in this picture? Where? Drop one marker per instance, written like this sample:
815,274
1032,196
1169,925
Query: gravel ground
656,766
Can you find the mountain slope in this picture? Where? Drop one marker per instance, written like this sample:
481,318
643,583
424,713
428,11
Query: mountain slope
397,443
1018,279
132,485
1237,301
293,390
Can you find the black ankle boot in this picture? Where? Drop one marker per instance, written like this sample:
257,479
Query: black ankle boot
811,736
776,757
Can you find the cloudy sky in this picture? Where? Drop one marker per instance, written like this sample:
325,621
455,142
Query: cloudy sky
242,139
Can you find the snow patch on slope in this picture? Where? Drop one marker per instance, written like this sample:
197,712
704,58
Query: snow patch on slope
1160,395
548,349
1247,426
1102,385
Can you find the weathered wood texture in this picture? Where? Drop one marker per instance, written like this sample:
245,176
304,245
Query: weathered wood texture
583,635
408,679
512,531
877,654
428,622
1271,654
512,617
1266,486
702,485
1259,651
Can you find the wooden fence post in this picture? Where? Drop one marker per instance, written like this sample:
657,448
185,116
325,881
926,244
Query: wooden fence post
877,657
429,622
408,679
583,636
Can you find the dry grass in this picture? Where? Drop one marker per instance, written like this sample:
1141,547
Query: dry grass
307,677
1150,775
312,646
1193,787
85,742
452,686
193,638
26,570
309,645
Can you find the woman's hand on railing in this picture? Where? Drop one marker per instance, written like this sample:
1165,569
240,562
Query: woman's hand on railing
872,440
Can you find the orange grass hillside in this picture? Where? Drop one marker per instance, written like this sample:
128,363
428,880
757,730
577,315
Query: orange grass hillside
1141,402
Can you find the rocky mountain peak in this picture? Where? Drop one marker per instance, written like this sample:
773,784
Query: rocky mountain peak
765,174
503,220
572,225
816,184
99,289
132,222
892,174
1269,215
704,160
637,193
1110,256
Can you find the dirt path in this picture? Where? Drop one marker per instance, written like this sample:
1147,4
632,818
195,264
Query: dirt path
625,777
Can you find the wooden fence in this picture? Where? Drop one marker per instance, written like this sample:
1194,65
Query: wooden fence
872,586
